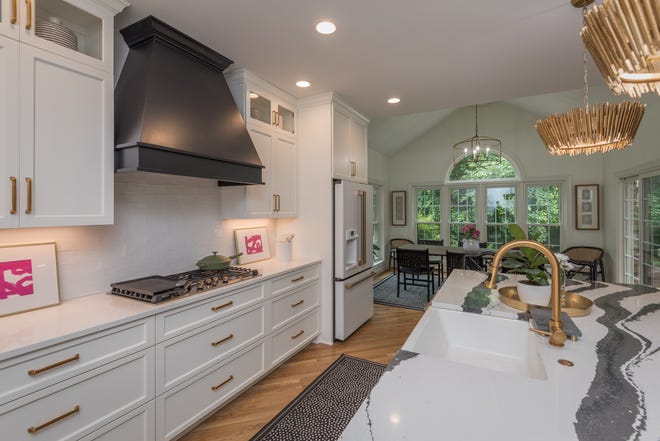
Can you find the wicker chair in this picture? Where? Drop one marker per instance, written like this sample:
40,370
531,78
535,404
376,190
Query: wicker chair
435,260
394,244
588,260
414,266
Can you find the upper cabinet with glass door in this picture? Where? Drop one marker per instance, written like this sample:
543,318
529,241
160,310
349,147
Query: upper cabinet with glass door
81,30
261,103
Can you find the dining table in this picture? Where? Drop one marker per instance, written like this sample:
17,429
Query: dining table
441,250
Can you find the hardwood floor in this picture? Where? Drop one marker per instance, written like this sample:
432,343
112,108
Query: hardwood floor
378,340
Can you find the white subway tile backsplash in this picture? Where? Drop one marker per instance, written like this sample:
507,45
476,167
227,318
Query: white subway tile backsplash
163,224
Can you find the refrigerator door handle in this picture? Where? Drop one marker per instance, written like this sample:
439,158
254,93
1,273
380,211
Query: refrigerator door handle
363,227
350,285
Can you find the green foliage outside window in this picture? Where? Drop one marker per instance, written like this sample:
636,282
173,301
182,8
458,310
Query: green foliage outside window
428,214
543,214
489,168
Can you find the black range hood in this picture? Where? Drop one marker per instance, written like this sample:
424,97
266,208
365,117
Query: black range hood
174,112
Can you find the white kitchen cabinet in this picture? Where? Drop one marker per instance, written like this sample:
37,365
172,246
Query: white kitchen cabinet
349,143
276,145
58,137
137,425
9,15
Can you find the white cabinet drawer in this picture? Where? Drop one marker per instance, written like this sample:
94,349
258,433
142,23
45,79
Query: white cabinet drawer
284,283
179,320
138,425
294,304
188,354
29,372
184,406
290,339
91,399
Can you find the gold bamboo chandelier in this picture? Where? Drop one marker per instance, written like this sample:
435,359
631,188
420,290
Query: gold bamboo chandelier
599,129
623,38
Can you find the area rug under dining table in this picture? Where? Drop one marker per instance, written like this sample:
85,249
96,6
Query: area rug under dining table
412,298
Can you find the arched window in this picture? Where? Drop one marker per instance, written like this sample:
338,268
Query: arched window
486,169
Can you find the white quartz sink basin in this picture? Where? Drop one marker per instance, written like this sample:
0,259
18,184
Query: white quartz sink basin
494,343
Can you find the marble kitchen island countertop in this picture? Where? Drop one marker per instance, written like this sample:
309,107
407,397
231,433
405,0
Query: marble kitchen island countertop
611,393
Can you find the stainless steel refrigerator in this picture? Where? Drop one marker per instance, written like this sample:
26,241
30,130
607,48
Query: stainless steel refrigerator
354,299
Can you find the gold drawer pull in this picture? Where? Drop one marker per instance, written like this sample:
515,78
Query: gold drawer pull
293,337
28,25
33,372
297,279
217,308
54,420
219,342
13,195
298,303
28,208
214,388
14,11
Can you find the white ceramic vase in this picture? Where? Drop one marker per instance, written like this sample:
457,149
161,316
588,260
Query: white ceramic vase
470,244
533,294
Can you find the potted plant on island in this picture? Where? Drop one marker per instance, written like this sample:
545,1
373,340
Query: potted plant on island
470,236
531,263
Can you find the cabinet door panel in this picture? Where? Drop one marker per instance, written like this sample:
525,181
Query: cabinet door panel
259,196
66,141
358,152
284,176
8,129
9,11
341,144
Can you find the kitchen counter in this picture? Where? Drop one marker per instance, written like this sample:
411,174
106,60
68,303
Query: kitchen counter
29,331
611,393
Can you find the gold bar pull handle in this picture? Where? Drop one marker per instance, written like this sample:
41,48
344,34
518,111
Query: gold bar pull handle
28,23
224,305
33,372
274,118
214,388
293,305
35,429
13,195
274,202
28,207
279,203
14,11
293,337
297,279
221,341
353,168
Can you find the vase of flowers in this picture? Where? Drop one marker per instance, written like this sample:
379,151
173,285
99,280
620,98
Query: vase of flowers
470,236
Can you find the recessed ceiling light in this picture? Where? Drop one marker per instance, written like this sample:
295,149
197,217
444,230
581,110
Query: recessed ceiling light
253,95
326,27
303,83
393,100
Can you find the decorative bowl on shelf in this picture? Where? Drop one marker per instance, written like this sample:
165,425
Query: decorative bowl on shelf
53,30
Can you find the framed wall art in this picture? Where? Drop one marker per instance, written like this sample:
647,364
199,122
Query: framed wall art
587,207
252,243
398,208
28,277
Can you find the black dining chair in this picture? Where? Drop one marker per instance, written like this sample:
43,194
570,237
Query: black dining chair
413,269
454,261
394,244
435,260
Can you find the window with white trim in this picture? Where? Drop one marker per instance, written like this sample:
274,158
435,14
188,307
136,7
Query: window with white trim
428,219
462,211
378,238
500,212
543,214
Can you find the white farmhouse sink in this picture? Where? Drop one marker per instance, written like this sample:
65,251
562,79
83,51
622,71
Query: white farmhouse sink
494,343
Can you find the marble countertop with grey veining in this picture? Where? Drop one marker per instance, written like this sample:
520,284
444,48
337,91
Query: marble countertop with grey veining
611,393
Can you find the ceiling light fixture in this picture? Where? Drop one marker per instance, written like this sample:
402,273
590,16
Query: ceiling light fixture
602,128
478,147
394,100
326,27
623,38
303,83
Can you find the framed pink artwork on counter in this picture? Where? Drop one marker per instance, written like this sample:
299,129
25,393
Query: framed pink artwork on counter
252,243
28,277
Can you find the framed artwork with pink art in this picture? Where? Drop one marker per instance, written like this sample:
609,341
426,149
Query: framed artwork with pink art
253,243
28,277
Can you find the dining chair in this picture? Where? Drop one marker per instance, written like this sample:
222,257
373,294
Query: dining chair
588,260
413,266
434,259
454,260
394,244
